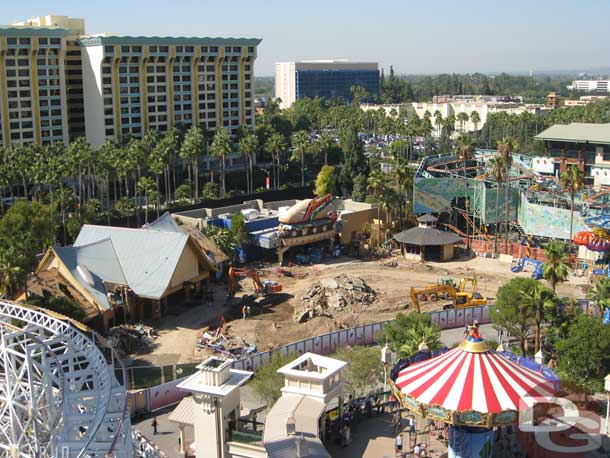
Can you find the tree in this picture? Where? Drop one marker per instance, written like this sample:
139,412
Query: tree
222,238
599,292
326,182
364,370
462,118
221,146
513,313
584,354
28,226
505,149
354,161
211,191
248,145
476,119
497,170
276,147
466,149
192,148
572,181
556,267
12,273
405,334
238,228
267,382
360,187
325,144
147,187
300,146
538,297
377,183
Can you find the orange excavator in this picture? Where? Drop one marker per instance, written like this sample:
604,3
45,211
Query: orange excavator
263,288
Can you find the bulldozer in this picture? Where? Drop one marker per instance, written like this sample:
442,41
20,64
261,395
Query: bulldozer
263,288
459,298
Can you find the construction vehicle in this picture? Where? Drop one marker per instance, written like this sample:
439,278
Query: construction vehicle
263,288
461,287
459,299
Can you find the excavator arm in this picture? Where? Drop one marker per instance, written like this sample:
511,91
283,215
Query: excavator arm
433,289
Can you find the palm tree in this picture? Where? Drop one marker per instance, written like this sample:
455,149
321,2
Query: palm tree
192,148
221,146
572,180
505,149
539,298
466,148
300,145
556,268
497,170
376,182
12,274
248,145
438,122
600,293
276,146
403,175
324,144
146,186
462,117
476,119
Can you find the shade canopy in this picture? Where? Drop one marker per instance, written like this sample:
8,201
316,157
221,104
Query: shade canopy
471,385
427,236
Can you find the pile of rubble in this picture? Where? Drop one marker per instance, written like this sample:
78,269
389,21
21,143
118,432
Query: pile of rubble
131,338
226,345
335,294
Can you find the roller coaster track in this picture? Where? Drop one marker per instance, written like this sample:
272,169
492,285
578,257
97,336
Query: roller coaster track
59,396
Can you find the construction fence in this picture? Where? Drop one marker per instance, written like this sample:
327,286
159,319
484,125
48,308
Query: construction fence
163,391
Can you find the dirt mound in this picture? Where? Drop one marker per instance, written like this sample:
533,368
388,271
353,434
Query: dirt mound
335,294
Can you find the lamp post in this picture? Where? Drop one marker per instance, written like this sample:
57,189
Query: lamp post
607,389
386,357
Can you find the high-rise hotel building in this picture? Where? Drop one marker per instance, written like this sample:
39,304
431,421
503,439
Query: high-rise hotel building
132,84
38,63
58,83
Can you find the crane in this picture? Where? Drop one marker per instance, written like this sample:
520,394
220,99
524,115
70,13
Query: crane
260,287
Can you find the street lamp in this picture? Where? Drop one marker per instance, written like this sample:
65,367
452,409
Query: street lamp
386,358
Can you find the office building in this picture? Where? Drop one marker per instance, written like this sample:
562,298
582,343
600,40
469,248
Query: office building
590,86
327,79
59,83
133,84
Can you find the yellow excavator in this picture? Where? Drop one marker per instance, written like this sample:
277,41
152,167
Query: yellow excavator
459,298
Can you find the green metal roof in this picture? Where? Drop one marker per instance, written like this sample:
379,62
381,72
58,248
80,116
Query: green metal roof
577,132
155,41
26,31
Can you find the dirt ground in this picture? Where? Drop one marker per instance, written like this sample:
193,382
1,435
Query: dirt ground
272,325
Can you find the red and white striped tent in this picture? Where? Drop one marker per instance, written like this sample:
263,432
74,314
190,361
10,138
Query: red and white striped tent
471,379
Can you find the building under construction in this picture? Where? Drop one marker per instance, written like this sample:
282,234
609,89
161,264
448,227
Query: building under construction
470,201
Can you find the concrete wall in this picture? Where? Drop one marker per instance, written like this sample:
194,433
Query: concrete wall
92,90
354,222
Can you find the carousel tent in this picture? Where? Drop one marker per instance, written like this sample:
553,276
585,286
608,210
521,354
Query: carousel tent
472,385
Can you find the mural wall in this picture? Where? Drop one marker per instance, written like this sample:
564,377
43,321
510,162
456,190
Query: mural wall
546,221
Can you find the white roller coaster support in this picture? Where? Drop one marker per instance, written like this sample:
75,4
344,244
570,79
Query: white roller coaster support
59,396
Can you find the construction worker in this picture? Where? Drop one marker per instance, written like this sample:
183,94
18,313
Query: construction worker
244,312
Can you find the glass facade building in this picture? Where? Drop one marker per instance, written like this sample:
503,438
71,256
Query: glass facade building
331,83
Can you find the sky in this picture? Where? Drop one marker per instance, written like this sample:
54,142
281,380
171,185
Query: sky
433,36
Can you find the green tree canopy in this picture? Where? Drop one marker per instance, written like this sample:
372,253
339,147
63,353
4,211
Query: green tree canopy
364,370
326,182
584,354
407,332
512,312
267,383
238,228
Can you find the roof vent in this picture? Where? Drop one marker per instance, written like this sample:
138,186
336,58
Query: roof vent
85,274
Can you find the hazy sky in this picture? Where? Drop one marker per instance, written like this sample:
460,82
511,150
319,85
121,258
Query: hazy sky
430,36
